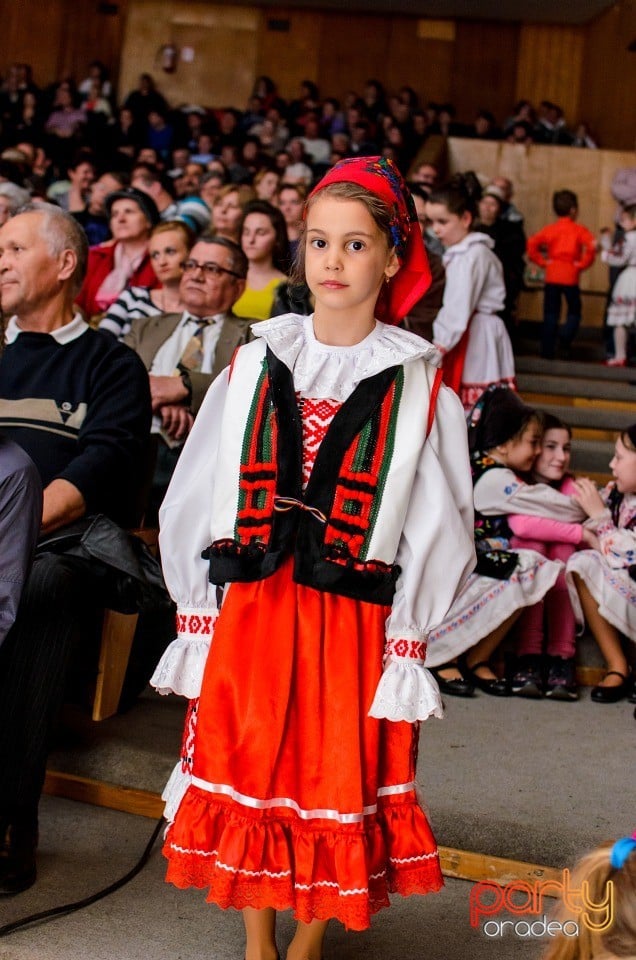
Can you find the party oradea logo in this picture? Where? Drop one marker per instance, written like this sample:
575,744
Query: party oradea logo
528,915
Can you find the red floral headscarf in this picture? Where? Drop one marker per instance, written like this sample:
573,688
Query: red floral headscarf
382,178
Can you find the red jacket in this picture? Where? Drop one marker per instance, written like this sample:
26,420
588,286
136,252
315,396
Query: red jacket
564,248
101,260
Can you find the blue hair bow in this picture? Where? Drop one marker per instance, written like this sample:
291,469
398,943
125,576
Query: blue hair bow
621,851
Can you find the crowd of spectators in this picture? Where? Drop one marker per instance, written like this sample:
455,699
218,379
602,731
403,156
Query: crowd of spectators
43,132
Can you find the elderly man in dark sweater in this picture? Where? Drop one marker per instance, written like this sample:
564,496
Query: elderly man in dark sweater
78,403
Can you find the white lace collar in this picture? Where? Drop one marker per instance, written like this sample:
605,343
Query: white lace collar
321,370
474,237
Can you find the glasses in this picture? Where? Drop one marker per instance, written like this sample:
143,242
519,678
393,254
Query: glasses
168,251
210,268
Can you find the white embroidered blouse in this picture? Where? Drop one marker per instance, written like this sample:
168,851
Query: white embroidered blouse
436,550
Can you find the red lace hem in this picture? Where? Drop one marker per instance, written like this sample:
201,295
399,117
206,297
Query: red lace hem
320,870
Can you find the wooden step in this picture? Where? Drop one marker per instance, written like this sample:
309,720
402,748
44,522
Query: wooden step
602,392
574,369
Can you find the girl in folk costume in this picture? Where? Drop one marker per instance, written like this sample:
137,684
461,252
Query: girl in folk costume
326,480
621,313
602,584
471,337
549,623
504,437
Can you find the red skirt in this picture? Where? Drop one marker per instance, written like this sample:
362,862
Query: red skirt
299,799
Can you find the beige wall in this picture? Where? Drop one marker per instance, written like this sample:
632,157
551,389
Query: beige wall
536,173
224,44
473,63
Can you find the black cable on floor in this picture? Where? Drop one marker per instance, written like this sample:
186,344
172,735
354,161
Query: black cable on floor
87,901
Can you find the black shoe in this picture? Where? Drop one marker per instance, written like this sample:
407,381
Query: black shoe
495,687
18,843
527,680
632,692
612,694
455,688
561,682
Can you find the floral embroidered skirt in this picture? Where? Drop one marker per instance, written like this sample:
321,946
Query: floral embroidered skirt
299,799
614,590
484,604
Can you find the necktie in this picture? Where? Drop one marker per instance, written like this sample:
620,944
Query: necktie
192,357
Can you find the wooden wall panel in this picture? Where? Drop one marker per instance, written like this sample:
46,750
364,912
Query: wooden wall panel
353,48
550,66
293,56
33,39
608,84
485,68
61,37
223,40
426,65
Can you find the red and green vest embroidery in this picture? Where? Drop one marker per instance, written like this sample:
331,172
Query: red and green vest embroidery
257,478
361,482
359,489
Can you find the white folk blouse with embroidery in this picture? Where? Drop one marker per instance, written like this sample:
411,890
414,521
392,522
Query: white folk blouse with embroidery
501,491
436,551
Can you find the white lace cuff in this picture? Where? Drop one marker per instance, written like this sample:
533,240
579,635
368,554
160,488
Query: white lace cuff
180,669
175,790
406,691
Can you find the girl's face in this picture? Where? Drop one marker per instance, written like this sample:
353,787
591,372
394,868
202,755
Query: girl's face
520,454
167,251
346,256
623,467
266,187
626,221
258,237
226,214
553,461
448,227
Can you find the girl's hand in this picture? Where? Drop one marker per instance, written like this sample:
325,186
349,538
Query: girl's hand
591,540
588,497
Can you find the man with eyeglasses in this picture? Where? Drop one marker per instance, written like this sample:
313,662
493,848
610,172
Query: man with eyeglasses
184,352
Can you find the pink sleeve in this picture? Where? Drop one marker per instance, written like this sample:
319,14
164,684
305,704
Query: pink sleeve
542,528
568,487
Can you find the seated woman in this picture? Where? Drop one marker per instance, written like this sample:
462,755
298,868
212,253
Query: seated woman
124,260
169,245
228,208
264,242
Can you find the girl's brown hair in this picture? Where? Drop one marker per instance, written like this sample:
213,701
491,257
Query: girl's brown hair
619,940
343,191
180,226
244,192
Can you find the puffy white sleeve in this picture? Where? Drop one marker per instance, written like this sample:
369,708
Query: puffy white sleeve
466,276
436,554
185,531
501,491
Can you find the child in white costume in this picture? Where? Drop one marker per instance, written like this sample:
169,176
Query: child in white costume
504,436
472,338
329,486
621,312
601,583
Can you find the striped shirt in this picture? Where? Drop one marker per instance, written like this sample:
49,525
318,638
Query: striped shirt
133,302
